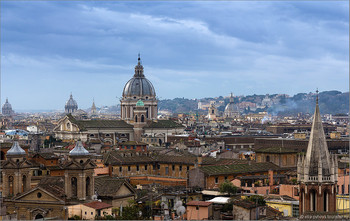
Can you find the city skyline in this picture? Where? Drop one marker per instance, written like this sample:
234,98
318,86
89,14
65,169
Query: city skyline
244,48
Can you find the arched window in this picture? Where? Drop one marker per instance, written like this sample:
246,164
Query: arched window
11,185
39,216
135,118
88,192
142,118
267,158
68,126
325,201
312,200
24,183
2,155
74,183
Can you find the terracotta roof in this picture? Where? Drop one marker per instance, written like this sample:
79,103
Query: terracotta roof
198,203
98,205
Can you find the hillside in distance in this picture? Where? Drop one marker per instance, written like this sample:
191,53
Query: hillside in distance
331,102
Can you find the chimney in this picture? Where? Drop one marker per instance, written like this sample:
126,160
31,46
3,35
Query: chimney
270,175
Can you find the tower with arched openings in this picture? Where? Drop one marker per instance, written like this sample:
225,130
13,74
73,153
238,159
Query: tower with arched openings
79,174
16,172
317,172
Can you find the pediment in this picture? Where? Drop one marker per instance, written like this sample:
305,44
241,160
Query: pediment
38,194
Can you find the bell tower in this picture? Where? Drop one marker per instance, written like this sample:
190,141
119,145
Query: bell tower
317,172
79,174
16,171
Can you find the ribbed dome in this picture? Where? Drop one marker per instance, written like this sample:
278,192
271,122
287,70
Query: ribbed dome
71,103
231,107
138,85
15,150
79,150
7,105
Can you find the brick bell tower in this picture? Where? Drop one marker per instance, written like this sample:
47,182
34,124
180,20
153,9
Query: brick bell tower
79,174
317,172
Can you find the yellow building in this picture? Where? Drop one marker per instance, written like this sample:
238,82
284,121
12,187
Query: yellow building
285,204
343,204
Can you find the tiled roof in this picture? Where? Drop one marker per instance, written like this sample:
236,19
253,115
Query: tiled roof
164,124
239,168
98,205
84,124
133,143
108,186
275,150
132,157
48,156
198,203
244,203
54,185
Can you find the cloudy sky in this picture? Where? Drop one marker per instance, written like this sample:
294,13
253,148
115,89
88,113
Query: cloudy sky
188,49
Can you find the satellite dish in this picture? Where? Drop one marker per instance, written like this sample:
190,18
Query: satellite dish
181,211
177,205
164,206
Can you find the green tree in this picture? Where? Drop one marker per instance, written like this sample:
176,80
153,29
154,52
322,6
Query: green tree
130,212
257,199
228,187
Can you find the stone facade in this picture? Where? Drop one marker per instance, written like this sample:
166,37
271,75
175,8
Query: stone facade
317,173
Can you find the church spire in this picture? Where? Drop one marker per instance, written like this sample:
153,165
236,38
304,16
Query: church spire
317,162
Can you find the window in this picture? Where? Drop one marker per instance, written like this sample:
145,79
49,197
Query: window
166,170
39,195
173,167
180,168
129,168
154,167
120,169
225,177
92,135
188,167
158,166
137,168
92,213
85,213
145,167
216,180
107,135
197,207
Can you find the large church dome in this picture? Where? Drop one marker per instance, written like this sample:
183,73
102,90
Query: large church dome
139,86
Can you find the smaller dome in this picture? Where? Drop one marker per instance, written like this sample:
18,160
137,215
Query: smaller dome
7,105
15,150
140,103
79,150
71,103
